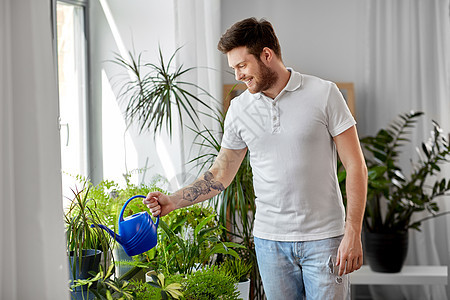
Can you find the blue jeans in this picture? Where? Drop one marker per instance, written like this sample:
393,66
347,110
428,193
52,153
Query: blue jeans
301,270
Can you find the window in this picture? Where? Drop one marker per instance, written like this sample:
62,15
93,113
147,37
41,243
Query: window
72,83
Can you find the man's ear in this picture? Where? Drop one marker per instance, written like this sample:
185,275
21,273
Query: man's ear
266,55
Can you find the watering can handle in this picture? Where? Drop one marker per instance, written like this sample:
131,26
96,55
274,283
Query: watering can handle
125,205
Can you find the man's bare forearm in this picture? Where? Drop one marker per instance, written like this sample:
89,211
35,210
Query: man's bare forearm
200,190
356,184
213,181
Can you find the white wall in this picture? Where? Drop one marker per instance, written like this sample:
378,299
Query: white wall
317,37
321,37
118,26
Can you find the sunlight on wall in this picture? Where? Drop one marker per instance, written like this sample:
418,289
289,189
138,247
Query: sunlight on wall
114,29
119,152
166,157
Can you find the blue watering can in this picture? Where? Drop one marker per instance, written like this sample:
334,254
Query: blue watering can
137,233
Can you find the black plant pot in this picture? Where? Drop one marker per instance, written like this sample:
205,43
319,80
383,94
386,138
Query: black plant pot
90,261
386,252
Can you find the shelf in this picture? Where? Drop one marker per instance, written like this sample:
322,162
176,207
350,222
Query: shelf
410,275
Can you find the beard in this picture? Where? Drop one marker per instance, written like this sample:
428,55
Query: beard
264,79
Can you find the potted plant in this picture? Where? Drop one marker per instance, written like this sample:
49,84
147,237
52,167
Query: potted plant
393,196
239,270
85,245
158,90
107,287
236,205
190,252
210,283
109,198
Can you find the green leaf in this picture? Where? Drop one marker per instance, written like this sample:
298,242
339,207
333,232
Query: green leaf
154,284
442,185
202,224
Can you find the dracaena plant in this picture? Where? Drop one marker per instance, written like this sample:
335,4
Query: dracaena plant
156,93
82,213
393,196
236,205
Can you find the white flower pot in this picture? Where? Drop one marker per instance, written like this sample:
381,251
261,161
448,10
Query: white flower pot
244,289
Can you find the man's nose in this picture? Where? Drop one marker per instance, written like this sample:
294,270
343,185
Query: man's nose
238,75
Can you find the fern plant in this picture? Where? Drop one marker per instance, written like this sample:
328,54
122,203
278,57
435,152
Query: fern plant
210,283
394,197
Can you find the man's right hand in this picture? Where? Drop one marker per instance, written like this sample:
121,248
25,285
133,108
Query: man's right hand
159,204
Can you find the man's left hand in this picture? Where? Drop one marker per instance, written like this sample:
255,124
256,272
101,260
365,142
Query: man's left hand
350,254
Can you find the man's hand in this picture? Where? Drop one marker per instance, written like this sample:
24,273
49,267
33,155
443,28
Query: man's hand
350,255
159,204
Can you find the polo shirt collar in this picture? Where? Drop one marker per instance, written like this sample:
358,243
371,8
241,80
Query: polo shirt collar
295,82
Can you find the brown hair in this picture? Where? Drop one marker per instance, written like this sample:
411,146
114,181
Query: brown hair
251,33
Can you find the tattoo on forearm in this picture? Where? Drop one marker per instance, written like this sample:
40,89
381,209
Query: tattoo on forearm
202,187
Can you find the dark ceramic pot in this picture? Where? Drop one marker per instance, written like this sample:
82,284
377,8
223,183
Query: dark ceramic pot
386,252
90,262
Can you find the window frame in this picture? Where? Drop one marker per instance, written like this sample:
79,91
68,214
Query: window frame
87,91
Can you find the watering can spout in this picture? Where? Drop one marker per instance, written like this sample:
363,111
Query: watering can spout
117,237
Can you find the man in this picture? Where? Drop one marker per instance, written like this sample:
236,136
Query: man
292,124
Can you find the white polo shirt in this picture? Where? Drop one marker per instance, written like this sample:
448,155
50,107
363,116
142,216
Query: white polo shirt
293,157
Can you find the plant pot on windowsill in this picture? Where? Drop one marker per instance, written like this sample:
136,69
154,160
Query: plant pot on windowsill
85,245
82,267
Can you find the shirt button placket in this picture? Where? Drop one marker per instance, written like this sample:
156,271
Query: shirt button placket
275,118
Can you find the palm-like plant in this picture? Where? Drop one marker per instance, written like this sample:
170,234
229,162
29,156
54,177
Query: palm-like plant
393,198
236,204
156,91
80,237
237,269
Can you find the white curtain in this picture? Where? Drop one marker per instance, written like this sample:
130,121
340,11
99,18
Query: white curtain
197,32
32,251
407,67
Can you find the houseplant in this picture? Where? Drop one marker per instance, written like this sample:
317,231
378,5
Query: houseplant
210,283
190,253
182,222
167,288
85,245
109,199
393,196
236,204
239,270
107,287
157,91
